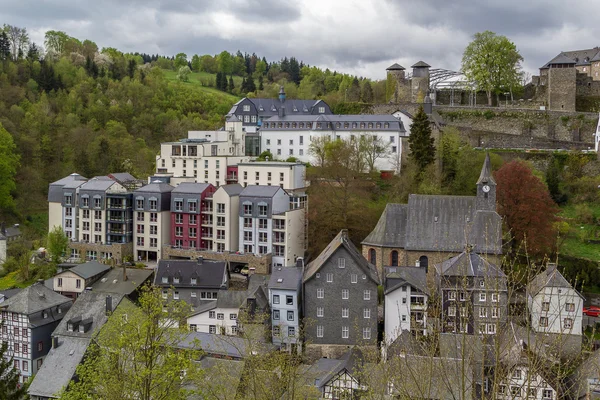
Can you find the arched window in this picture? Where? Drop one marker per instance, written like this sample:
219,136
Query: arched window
372,256
394,258
423,262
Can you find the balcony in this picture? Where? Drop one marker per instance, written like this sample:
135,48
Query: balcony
116,206
231,178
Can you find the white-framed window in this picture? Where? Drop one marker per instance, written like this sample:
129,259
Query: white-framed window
276,298
320,331
482,296
233,316
452,295
366,333
211,314
366,313
403,317
290,315
482,312
491,328
329,277
276,314
547,394
246,107
341,262
546,306
345,312
320,293
345,294
353,278
320,312
212,329
568,323
452,311
570,307
321,110
495,297
345,332
463,296
220,316
495,312
367,295
516,374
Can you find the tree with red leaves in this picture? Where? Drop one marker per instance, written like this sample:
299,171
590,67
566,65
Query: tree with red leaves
527,208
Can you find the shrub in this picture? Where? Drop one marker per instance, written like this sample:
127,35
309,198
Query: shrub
584,214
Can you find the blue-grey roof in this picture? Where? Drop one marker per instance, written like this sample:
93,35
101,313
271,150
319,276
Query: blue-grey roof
98,183
122,177
414,276
270,106
469,264
233,189
260,191
551,277
113,281
155,187
395,67
34,299
333,122
74,177
562,58
89,269
390,230
288,278
191,188
221,345
420,64
208,273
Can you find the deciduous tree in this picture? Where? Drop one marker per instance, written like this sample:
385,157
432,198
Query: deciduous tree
9,161
180,60
528,210
10,388
183,74
57,244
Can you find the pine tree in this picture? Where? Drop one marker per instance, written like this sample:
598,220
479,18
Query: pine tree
260,83
231,86
4,46
422,149
10,388
366,95
250,86
243,88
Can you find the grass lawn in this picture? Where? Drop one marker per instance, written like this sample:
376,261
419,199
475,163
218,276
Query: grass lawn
10,280
195,80
574,245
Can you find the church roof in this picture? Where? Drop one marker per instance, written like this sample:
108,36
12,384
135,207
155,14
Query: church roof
391,227
486,172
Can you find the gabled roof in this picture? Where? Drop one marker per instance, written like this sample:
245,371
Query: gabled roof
395,67
122,177
191,188
561,58
420,64
155,187
74,177
287,278
391,228
113,281
551,277
260,191
341,240
469,264
209,273
221,345
88,269
414,276
32,299
233,189
326,369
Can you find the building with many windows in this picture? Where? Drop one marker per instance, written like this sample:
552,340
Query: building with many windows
269,223
192,216
226,220
290,176
28,320
554,305
152,215
285,299
473,294
340,296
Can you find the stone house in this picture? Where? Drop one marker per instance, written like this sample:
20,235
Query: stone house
431,229
340,298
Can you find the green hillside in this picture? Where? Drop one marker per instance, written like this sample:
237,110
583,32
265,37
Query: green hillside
203,81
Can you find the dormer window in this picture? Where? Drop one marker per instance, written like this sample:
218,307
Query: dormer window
81,329
70,327
45,314
175,280
165,279
246,107
194,281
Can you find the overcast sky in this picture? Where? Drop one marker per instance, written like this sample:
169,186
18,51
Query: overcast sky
361,37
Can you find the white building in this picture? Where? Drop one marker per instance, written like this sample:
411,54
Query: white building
406,297
2,249
226,220
521,382
218,316
72,282
285,289
597,135
291,136
269,224
554,305
290,176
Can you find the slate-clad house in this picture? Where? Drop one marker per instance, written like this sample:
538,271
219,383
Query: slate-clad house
285,299
70,341
193,281
474,294
28,319
340,297
74,281
429,229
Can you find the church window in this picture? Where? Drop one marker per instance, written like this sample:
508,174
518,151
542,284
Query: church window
394,258
372,256
423,262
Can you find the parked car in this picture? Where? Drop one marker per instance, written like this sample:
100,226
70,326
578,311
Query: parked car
592,311
244,271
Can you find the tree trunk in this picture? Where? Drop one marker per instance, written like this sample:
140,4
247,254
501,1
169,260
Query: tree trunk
489,96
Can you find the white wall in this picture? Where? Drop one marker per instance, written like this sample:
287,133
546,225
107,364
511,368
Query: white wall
69,282
525,382
55,214
2,251
557,299
288,176
283,308
203,321
202,169
395,309
295,244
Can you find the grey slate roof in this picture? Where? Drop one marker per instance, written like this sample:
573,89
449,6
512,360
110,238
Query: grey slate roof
420,64
209,273
395,67
122,177
98,183
551,277
325,368
155,187
415,276
486,172
8,293
469,264
302,106
341,240
221,345
113,281
561,58
55,188
260,191
233,189
288,278
191,188
33,299
59,367
88,269
391,228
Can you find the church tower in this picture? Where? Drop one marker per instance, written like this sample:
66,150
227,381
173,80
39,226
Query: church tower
486,187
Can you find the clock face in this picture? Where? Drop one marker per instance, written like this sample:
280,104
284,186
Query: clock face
486,188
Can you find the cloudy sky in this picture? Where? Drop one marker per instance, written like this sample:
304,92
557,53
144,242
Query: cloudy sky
355,36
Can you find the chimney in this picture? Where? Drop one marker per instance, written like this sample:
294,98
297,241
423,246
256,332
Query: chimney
124,273
54,342
427,104
281,111
108,305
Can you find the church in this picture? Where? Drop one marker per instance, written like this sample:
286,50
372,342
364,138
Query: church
431,229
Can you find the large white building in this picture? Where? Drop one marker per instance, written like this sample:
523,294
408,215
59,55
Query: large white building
291,136
554,305
226,206
290,176
152,215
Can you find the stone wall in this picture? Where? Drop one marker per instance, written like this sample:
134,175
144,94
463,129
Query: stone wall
261,264
118,250
561,88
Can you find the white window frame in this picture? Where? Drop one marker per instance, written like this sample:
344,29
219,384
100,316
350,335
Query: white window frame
345,332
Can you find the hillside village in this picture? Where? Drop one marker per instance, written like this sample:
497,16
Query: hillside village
214,252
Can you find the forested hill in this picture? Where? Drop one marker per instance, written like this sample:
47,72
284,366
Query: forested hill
72,107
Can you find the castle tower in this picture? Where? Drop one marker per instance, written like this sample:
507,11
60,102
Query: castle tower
562,83
396,86
419,82
486,188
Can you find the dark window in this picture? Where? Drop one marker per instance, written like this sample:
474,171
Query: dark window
372,256
394,258
423,262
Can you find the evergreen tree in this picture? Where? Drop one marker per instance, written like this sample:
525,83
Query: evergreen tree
231,86
4,46
250,86
260,83
33,53
354,90
422,149
294,71
10,388
131,68
46,80
366,95
553,181
243,86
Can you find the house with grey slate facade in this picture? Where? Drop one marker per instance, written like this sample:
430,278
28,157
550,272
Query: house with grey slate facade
340,298
285,299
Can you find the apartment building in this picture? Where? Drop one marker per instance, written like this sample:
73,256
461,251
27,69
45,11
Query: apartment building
152,209
290,176
226,205
192,216
59,210
268,224
28,320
